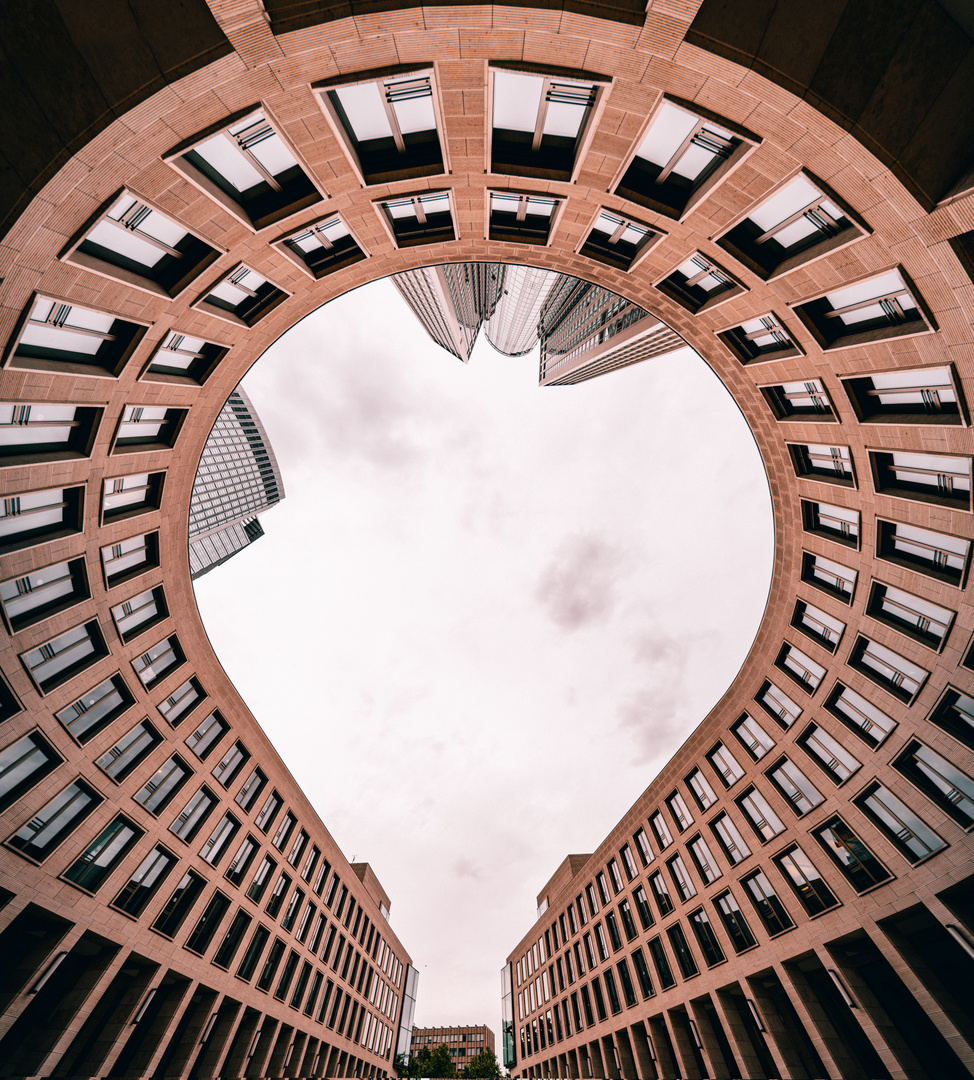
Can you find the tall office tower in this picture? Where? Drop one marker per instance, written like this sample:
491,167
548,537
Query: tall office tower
453,301
586,331
513,328
238,476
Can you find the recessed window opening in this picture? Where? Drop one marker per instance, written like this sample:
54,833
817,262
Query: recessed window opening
420,219
522,219
184,357
323,247
759,340
934,554
917,396
618,241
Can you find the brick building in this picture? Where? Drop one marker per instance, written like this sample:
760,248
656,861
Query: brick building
464,1043
804,177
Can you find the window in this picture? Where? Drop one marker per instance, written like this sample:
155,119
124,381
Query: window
58,336
703,859
145,882
130,558
879,307
894,673
872,725
805,881
912,837
160,790
833,522
642,971
703,931
754,738
681,157
916,618
625,913
232,939
261,879
193,815
955,715
9,704
322,247
137,245
698,284
831,577
660,893
60,659
539,123
179,905
858,864
603,892
228,767
797,222
425,218
681,877
41,593
46,432
131,749
729,838
734,922
828,753
248,794
521,219
603,949
661,963
140,613
725,765
294,855
618,241
681,950
181,702
766,903
778,704
55,820
941,781
805,401
35,517
127,496
642,906
280,890
284,832
97,709
219,839
104,854
703,793
245,854
915,396
936,555
207,735
146,427
241,296
152,666
659,826
800,792
816,461
248,169
931,478
759,340
183,358
209,922
794,663
628,862
271,965
24,764
680,811
759,814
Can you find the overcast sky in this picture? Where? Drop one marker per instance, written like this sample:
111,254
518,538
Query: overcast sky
485,614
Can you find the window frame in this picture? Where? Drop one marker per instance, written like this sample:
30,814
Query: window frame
51,761
885,482
526,228
150,547
812,523
246,313
99,651
778,397
417,237
126,701
25,849
348,255
889,684
859,393
153,488
886,548
602,252
875,609
77,576
202,363
742,342
83,429
689,295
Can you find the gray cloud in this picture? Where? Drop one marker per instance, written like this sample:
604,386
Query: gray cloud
577,588
656,713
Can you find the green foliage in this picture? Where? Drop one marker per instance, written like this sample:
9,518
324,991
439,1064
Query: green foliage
440,1063
484,1065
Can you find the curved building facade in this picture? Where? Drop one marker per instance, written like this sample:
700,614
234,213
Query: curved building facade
797,193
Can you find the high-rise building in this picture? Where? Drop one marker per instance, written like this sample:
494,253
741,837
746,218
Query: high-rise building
464,1042
793,895
238,476
513,328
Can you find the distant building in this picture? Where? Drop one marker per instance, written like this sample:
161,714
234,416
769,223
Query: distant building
513,328
238,476
464,1043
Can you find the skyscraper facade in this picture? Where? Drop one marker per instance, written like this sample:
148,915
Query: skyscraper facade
238,477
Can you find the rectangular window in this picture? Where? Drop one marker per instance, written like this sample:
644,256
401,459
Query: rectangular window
753,737
140,613
55,820
209,922
241,296
137,245
618,241
937,555
179,905
660,893
253,954
913,396
182,358
23,764
642,972
799,667
322,247
833,522
193,815
817,461
147,427
831,577
872,725
766,903
916,618
955,715
797,222
703,793
93,712
734,922
909,833
778,704
242,859
725,764
680,811
603,892
615,876
131,749
729,838
293,910
280,890
108,849
759,340
521,219
628,926
893,672
45,432
160,790
156,663
661,963
261,879
941,781
248,169
204,739
228,767
805,881
930,478
130,558
858,864
128,496
683,154
35,517
232,939
681,877
804,402
283,834
539,123
251,789
759,814
824,629
181,702
660,828
706,937
699,284
681,950
57,661
426,218
628,862
149,876
63,337
704,860
642,906
220,839
389,126
801,793
828,753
